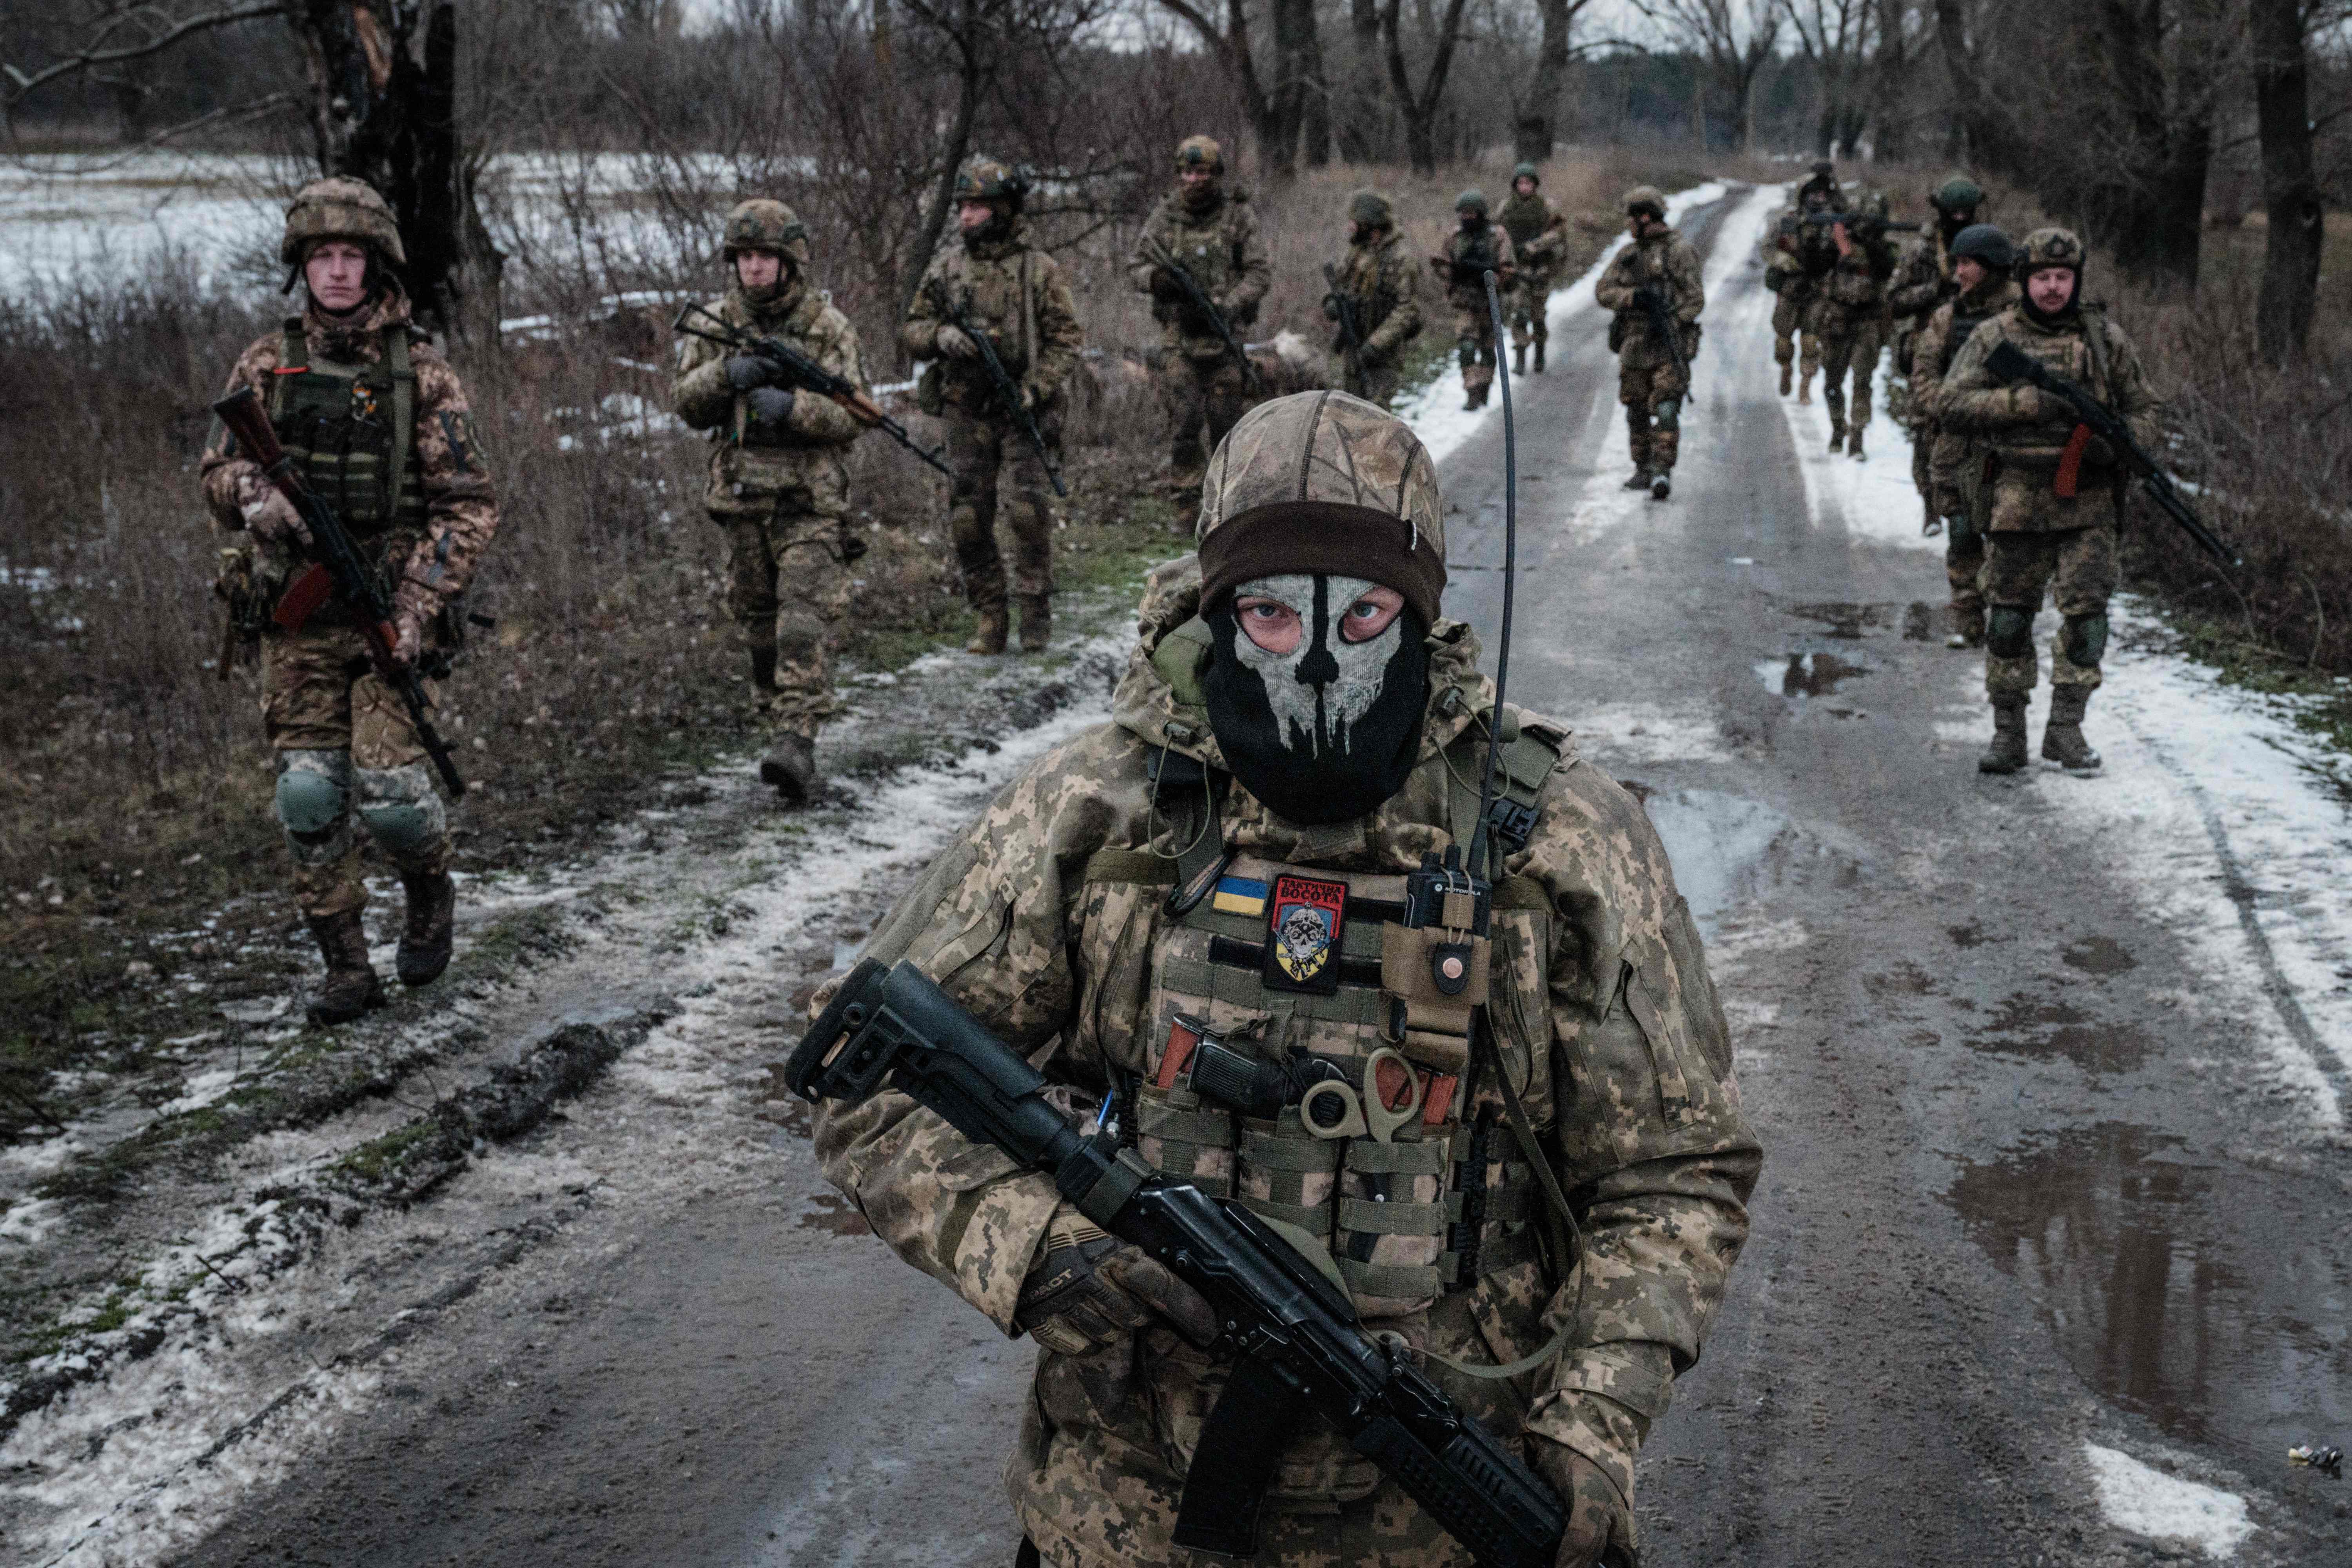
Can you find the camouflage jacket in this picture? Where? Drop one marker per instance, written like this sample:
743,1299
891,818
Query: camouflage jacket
1856,284
461,508
1017,295
2027,429
1604,1012
1385,286
1538,236
1933,349
1924,279
1665,261
1490,247
803,471
1219,245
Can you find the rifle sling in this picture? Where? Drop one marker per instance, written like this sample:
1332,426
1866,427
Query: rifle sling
1241,1445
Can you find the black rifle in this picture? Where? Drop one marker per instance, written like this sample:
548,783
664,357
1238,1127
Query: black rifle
805,373
1858,224
2008,363
1341,306
1662,322
1007,391
1202,306
1297,1338
338,571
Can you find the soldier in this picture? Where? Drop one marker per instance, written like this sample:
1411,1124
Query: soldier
1923,282
1846,313
1650,382
1382,287
1539,244
1478,246
1980,260
1209,231
1015,293
372,415
778,479
1802,256
2057,495
1233,760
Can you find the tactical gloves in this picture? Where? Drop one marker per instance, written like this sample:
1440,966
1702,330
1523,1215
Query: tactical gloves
745,372
1601,1521
412,605
957,344
270,517
770,408
1088,1290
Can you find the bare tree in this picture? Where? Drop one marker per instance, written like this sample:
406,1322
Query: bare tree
1532,132
1275,113
1735,38
2141,84
1420,105
1835,38
1987,123
2291,194
1894,109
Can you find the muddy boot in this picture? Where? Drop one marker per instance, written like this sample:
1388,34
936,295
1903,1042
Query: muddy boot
1853,441
1519,358
989,636
1036,623
2007,752
350,987
1968,629
1788,373
425,939
1539,349
1662,485
790,767
2063,745
1805,387
1641,479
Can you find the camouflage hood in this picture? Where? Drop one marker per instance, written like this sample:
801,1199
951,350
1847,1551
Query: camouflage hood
1007,237
353,338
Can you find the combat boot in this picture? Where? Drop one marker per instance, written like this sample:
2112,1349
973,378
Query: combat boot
2063,745
1519,358
1037,622
1641,479
1968,629
2007,752
352,986
989,637
1539,349
1837,435
1805,387
1662,485
425,939
1788,373
1853,441
790,767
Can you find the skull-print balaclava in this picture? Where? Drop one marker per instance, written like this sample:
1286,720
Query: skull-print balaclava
1327,731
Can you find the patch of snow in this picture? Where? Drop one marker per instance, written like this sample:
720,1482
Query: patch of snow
2146,1502
1626,733
29,1221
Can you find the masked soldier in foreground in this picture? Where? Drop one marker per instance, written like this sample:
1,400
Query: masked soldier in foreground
1923,282
1223,861
778,479
1478,246
2057,495
1383,288
1014,293
1210,231
372,415
1539,244
1650,383
1847,314
1981,258
1800,259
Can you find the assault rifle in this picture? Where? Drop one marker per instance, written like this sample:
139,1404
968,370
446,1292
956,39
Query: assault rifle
1341,307
1008,391
338,573
2009,364
1297,1341
1202,306
1857,223
805,373
1662,322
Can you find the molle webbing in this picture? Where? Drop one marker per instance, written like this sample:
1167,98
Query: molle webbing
352,437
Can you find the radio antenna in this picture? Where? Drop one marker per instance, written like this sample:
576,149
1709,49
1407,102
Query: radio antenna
1482,837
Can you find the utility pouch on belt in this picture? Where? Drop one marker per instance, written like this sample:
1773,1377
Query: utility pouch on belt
1434,964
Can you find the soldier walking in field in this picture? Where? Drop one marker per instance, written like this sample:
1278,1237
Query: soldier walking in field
1658,273
1374,303
1923,282
1206,229
778,479
2056,508
1014,294
1981,257
1216,872
372,416
1800,260
1847,312
1478,246
1539,246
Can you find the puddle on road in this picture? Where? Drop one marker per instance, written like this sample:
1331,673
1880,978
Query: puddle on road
1807,674
2205,1297
2099,955
1719,845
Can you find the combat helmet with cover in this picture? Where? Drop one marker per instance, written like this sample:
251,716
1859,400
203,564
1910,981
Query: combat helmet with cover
1957,195
985,178
1473,200
341,208
1644,199
1200,153
1371,210
763,222
1526,170
2050,247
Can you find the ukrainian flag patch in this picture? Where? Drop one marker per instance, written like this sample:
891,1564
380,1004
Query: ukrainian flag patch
1239,895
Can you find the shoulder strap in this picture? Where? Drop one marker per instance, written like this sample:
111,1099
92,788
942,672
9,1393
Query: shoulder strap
1526,762
1028,319
294,355
2095,338
404,411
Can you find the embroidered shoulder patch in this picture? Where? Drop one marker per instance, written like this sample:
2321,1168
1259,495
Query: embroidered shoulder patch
1304,920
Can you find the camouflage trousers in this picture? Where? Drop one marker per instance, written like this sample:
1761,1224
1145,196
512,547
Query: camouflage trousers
1923,441
1848,342
1652,396
1530,297
2079,568
1474,348
980,447
788,592
1377,385
1789,317
345,748
1200,396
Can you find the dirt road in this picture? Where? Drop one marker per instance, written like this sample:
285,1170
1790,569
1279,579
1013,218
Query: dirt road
2049,1262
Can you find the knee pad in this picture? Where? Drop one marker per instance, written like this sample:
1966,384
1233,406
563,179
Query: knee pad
798,638
2084,639
399,807
1466,352
1668,413
313,791
2009,632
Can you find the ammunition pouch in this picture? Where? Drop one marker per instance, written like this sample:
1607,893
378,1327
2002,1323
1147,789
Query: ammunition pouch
929,396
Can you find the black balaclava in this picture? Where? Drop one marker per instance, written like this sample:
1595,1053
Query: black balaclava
1952,220
1327,732
2050,317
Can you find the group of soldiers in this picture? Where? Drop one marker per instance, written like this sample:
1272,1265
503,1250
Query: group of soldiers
2028,498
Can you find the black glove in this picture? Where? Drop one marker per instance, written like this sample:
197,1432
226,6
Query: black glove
770,408
1089,1289
1645,297
745,372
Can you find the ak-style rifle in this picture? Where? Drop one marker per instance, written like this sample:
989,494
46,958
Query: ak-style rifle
804,373
1008,391
1202,306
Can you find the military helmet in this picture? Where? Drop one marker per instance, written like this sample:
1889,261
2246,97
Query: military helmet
2049,248
1371,209
984,179
340,208
764,223
1823,168
1525,171
1473,200
1200,153
1958,194
1645,199
1984,244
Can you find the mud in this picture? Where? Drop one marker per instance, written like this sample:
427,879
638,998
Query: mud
1807,674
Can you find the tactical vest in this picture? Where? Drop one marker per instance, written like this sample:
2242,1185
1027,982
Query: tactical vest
353,436
1963,329
1449,1194
1524,222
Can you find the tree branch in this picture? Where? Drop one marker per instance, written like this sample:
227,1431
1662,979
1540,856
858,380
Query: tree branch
94,53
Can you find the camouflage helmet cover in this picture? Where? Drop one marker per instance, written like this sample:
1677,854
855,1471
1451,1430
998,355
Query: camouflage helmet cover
1323,482
1959,193
1471,201
765,223
1200,153
1371,209
1645,199
339,208
1986,244
1527,170
2049,248
986,180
